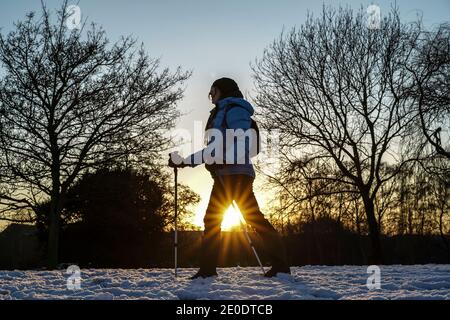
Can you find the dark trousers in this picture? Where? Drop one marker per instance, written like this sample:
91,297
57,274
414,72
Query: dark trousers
239,188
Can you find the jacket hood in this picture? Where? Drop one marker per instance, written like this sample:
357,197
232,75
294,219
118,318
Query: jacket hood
240,101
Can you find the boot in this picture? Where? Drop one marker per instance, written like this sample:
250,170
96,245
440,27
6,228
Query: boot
277,254
277,269
204,274
208,256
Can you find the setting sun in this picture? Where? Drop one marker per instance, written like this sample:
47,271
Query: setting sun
231,218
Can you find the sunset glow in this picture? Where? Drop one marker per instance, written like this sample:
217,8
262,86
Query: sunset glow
230,219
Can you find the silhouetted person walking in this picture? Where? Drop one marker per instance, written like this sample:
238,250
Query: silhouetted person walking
232,181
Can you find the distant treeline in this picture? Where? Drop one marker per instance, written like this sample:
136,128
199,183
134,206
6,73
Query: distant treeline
324,242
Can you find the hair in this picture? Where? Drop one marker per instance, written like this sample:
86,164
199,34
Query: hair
228,88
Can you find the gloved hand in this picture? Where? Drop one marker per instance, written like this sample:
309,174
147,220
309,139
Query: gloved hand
176,161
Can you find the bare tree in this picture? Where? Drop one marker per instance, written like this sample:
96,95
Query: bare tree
431,91
336,90
72,101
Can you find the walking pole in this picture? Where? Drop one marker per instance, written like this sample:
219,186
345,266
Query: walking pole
248,237
244,227
175,245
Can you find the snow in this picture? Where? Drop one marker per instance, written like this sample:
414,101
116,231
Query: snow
308,282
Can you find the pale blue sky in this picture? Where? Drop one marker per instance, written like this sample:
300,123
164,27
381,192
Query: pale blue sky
211,38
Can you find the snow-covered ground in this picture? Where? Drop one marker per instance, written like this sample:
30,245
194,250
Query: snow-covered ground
309,282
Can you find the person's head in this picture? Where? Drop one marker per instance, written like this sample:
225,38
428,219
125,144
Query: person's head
223,88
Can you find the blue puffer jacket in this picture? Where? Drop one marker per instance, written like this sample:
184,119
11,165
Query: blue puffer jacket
237,117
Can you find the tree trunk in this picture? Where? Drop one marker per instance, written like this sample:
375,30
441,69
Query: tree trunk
55,209
376,256
441,230
53,234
